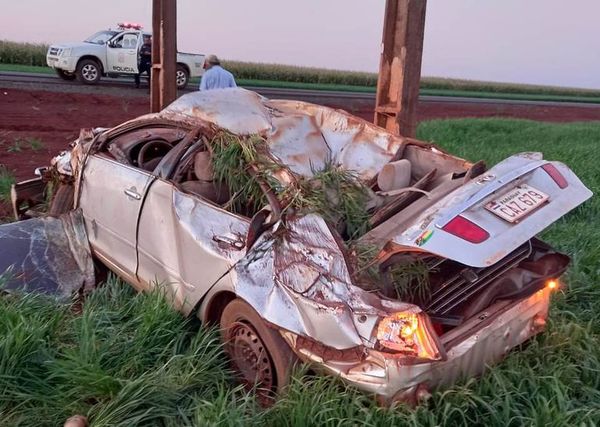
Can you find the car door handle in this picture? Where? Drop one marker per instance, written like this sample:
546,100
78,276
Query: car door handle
130,192
224,241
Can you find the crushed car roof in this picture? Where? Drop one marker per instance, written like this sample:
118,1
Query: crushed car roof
303,136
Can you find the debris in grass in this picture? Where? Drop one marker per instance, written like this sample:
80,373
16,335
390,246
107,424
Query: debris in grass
77,421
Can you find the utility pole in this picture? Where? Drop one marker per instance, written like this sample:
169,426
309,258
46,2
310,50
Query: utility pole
163,87
400,66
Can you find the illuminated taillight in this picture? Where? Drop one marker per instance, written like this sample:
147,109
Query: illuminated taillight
465,229
408,333
555,175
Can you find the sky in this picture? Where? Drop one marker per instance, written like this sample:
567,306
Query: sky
550,42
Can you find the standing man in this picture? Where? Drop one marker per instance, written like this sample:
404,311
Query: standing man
215,76
145,60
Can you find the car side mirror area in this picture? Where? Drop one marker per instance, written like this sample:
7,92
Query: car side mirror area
258,225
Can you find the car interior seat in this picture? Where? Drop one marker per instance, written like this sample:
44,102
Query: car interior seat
204,185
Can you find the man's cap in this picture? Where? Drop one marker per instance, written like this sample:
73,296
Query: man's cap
212,59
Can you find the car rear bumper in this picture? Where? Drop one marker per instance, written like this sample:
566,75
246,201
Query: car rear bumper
482,341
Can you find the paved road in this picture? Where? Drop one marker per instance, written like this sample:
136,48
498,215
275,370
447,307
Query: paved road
14,78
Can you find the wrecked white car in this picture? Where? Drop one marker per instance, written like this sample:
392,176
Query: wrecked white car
307,233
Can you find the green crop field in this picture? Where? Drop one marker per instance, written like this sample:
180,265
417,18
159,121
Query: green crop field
129,360
30,57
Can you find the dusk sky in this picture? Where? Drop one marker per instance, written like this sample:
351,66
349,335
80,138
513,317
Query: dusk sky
551,42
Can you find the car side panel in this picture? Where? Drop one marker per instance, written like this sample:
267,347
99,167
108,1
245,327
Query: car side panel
177,246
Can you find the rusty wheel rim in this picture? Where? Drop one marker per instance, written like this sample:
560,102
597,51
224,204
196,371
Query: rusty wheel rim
251,359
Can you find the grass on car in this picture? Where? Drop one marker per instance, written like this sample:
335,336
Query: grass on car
128,359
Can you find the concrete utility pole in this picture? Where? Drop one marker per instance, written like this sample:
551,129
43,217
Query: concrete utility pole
163,89
400,66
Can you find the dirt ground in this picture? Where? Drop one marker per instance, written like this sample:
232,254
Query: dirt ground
37,124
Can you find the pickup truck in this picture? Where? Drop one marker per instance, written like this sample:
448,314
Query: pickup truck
113,53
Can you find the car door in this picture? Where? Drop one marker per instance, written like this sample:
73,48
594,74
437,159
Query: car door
122,53
111,196
186,243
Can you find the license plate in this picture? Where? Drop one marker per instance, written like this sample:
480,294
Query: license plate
517,203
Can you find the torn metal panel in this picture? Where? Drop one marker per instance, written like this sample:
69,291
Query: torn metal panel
238,110
47,255
353,143
26,195
296,278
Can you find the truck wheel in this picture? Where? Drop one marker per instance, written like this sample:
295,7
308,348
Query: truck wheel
88,72
62,200
65,75
182,77
259,356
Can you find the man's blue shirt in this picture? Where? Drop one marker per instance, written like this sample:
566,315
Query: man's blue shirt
217,78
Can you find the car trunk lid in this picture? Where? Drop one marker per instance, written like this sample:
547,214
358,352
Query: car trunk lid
462,225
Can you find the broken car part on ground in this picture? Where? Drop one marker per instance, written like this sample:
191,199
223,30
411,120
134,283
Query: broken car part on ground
307,233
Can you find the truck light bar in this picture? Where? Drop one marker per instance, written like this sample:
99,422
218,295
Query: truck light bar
129,26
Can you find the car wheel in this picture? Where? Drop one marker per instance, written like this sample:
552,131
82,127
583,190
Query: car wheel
259,356
88,72
62,200
65,75
181,77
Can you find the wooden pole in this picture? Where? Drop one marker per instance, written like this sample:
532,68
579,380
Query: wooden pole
155,105
400,66
164,54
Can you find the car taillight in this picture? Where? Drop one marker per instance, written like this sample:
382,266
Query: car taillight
407,333
465,229
555,175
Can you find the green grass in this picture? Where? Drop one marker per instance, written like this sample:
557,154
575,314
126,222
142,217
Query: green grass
7,179
130,360
473,93
26,68
20,144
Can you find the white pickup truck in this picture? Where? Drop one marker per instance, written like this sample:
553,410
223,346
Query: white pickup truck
113,53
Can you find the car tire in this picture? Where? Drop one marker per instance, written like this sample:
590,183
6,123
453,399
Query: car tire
88,71
182,77
259,356
62,199
65,75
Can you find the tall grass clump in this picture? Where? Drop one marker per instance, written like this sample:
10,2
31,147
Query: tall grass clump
244,165
23,53
128,359
7,179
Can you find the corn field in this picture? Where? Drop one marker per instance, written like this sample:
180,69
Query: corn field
23,53
34,54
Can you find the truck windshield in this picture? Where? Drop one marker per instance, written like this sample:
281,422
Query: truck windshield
101,37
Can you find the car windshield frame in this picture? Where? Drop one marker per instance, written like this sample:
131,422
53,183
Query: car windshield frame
101,37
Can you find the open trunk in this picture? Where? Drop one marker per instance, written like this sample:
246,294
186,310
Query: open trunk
452,293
